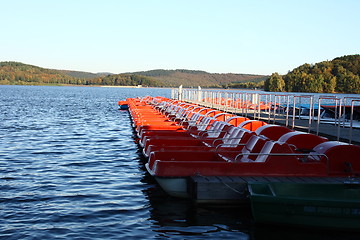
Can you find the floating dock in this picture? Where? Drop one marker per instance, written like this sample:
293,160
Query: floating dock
225,189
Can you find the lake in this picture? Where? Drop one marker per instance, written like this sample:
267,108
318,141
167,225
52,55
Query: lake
70,169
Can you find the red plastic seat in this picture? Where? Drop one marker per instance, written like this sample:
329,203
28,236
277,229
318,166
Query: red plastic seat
342,159
302,142
273,132
252,125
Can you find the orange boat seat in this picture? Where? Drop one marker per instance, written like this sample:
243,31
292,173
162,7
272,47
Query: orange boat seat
236,121
252,125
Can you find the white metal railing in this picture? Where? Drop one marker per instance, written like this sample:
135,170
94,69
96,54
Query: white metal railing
273,107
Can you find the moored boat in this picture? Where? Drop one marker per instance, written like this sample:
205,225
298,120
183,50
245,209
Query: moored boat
330,205
275,159
177,153
123,105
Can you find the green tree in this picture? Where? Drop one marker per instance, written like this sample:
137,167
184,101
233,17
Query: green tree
275,83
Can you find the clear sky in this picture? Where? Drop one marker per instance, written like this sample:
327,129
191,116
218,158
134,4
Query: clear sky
238,36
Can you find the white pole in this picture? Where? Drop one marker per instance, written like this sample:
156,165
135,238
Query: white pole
199,97
180,92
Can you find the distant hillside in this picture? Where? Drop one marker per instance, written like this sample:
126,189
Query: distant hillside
193,78
341,75
85,75
25,74
126,80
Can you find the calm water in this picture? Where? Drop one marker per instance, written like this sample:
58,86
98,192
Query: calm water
70,169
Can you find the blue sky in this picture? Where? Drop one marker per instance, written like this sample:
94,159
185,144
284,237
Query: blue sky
259,37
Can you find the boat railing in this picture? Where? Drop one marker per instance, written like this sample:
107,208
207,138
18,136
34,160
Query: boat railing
192,120
229,144
225,138
191,123
282,155
211,131
202,125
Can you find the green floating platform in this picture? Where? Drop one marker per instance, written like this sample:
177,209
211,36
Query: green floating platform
323,205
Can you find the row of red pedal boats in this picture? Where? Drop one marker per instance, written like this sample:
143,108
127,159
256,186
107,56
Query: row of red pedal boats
182,140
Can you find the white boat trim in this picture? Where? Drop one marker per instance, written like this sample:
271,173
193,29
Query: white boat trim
174,186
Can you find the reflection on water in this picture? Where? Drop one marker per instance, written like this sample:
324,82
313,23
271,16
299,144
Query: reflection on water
180,217
270,232
184,217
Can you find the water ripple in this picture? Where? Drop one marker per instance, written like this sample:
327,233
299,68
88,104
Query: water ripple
70,169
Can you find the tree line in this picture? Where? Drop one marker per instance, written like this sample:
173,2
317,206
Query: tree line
341,75
24,74
246,85
125,80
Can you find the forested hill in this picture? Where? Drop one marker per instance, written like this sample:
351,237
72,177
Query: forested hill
192,78
24,74
341,75
84,75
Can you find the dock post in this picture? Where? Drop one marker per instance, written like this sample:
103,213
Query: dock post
311,113
352,118
180,92
199,95
318,117
339,116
